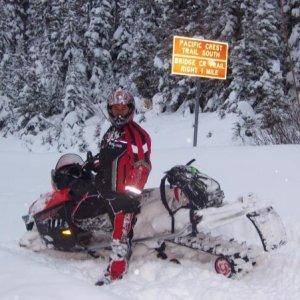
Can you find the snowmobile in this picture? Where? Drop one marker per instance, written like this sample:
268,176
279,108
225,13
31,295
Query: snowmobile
191,202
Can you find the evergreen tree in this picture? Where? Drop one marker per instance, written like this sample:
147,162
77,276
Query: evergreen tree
59,58
293,12
99,35
268,56
243,71
77,106
145,46
7,116
12,47
222,22
122,42
257,73
39,96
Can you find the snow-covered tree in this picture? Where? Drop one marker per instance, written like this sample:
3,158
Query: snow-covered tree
99,35
292,10
257,60
12,57
77,105
145,46
267,91
59,56
222,21
122,42
12,46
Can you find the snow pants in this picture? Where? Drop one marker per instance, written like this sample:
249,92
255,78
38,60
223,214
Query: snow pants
122,210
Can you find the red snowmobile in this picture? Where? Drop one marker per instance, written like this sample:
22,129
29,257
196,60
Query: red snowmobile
189,195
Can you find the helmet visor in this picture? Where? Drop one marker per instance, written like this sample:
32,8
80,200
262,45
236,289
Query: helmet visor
120,110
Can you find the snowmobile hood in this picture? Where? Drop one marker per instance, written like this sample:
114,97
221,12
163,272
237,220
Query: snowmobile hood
49,200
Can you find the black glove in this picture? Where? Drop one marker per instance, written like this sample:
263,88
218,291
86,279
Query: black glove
92,162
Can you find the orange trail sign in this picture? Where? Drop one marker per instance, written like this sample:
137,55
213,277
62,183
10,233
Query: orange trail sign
200,58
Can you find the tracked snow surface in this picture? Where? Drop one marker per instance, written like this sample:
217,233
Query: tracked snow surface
270,172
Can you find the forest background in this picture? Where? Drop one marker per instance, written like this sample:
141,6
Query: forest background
60,60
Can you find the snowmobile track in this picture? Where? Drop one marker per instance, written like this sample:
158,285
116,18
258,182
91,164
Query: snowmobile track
241,257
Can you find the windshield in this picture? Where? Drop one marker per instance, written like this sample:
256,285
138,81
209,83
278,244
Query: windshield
69,159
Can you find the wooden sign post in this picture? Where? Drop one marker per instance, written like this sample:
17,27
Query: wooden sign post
199,58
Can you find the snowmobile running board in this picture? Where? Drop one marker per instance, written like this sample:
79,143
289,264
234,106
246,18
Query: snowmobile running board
185,231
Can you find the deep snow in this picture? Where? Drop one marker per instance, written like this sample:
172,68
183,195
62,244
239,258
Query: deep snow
270,172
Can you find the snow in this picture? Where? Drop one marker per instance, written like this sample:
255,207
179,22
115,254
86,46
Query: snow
39,68
296,12
294,37
176,130
270,172
158,63
98,52
118,33
228,28
245,109
232,97
276,66
81,67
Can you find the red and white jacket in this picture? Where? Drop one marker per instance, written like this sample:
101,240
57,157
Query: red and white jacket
124,159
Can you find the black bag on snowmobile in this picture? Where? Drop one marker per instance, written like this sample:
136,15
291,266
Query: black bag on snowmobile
201,190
